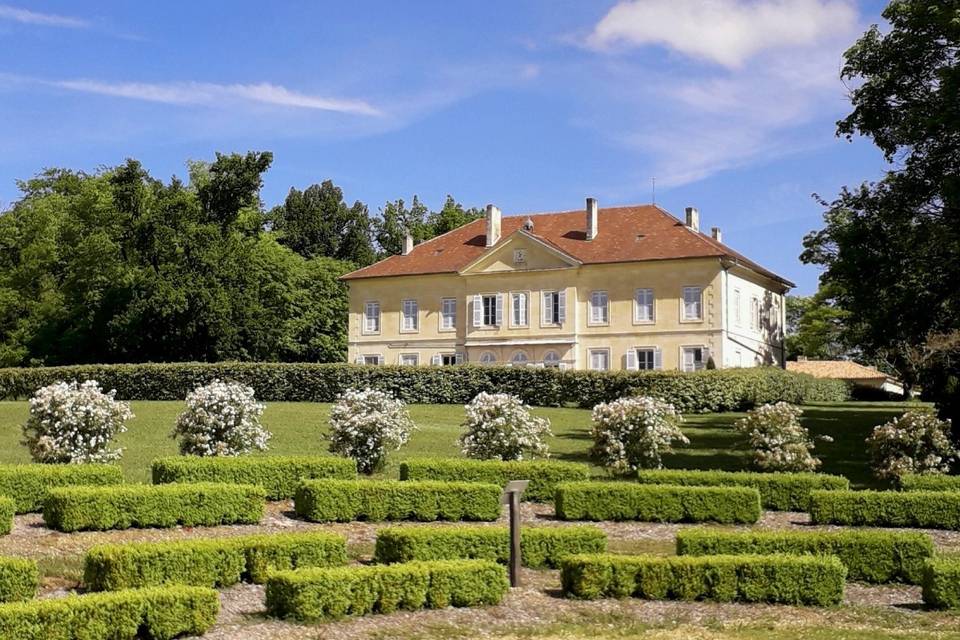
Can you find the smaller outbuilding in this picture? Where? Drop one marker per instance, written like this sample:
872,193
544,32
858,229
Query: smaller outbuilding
858,375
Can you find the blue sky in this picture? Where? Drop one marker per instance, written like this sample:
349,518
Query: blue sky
533,106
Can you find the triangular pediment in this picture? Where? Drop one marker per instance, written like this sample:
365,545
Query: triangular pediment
521,251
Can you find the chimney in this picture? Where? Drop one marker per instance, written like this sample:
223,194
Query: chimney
592,225
693,218
493,225
715,232
407,243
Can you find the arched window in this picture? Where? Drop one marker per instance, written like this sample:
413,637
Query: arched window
551,359
519,358
487,357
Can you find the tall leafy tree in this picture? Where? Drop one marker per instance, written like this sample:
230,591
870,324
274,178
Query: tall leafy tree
451,216
396,220
815,327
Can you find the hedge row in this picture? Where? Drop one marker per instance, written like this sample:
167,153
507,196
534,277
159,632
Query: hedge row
279,475
941,582
543,475
378,500
540,547
917,509
203,504
160,613
656,503
217,562
930,483
325,594
28,484
778,491
19,579
7,509
870,556
703,391
811,580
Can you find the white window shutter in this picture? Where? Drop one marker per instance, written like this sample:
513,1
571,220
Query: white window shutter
632,360
562,306
477,311
657,358
547,308
459,357
436,359
358,360
499,309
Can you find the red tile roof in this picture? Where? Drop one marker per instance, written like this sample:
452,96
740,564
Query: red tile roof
842,369
626,234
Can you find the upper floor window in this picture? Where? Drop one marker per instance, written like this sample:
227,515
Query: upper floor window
518,304
643,305
599,359
448,313
599,307
736,307
755,313
488,310
410,321
694,358
692,303
554,307
371,317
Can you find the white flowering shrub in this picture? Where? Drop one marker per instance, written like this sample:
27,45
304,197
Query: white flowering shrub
916,442
498,426
779,441
365,425
221,419
634,433
71,422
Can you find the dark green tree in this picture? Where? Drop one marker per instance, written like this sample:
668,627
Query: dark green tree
815,328
451,216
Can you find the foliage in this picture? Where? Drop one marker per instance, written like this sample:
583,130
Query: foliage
71,509
656,503
869,556
27,484
364,425
377,500
941,582
19,579
221,419
499,427
75,423
779,441
160,613
939,482
914,509
279,475
634,433
8,508
916,443
815,326
311,595
808,580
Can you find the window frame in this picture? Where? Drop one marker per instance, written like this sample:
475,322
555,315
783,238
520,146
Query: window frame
487,363
703,361
551,362
525,296
755,313
484,297
443,314
378,356
558,296
366,307
415,363
514,362
683,304
653,357
737,303
404,316
605,307
637,306
597,350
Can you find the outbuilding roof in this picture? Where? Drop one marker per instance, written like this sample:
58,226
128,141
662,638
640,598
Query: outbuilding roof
840,369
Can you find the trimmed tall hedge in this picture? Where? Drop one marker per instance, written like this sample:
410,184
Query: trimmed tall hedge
544,476
122,507
28,484
701,391
325,594
656,503
279,475
869,556
540,547
809,580
19,579
218,562
941,582
7,509
162,613
778,491
915,482
378,500
918,509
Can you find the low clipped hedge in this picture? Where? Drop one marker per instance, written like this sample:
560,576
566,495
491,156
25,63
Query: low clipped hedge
544,476
809,580
280,475
656,503
919,509
701,391
941,582
778,491
19,579
217,562
7,509
160,613
202,504
869,556
311,595
378,500
540,547
28,484
914,482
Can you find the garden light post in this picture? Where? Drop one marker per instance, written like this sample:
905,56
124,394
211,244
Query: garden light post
511,496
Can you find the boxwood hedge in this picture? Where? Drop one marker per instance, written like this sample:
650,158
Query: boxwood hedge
914,482
212,562
279,475
377,500
656,503
19,579
540,547
325,594
920,509
28,484
159,613
124,506
7,509
870,556
701,391
543,475
810,580
778,491
941,582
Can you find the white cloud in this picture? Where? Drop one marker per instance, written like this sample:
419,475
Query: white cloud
25,16
727,32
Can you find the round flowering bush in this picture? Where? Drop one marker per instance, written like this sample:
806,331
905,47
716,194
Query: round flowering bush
500,427
634,433
916,442
364,425
779,441
71,422
221,419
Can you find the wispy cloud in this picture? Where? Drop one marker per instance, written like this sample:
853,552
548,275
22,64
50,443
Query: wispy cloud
26,16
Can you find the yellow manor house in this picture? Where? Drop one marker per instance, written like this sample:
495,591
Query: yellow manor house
628,287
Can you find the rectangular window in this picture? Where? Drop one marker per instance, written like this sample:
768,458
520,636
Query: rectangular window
554,303
643,305
448,359
518,305
489,311
694,358
371,318
448,313
599,308
371,359
409,359
755,313
737,314
646,358
599,359
410,322
692,303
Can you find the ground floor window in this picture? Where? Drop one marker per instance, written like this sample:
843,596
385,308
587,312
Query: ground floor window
551,359
488,357
519,358
448,359
372,359
646,358
600,359
409,359
694,358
